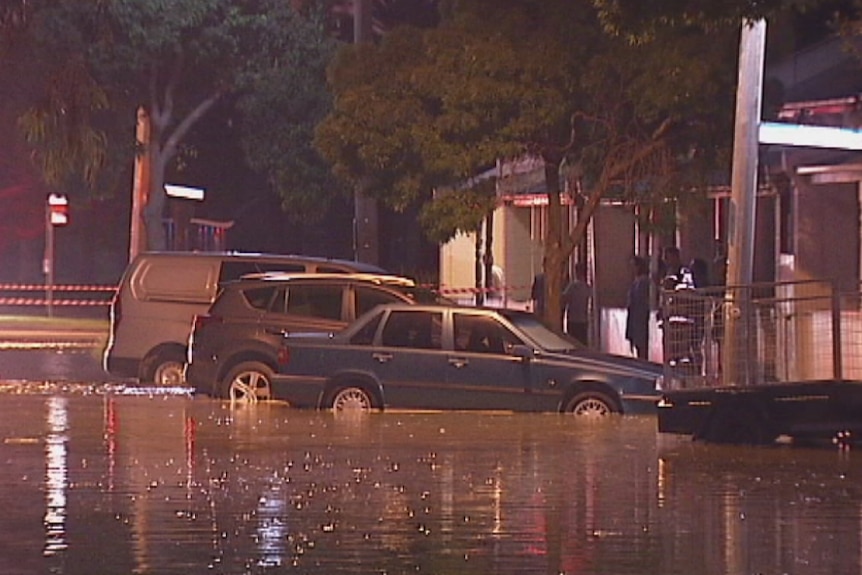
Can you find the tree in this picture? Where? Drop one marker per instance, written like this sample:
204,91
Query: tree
178,59
636,19
542,79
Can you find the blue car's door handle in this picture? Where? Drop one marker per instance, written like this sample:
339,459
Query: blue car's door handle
382,357
458,361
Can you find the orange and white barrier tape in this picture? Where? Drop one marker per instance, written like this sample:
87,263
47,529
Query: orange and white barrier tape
474,290
42,287
65,289
443,290
45,302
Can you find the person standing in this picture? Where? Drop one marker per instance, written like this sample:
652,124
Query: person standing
675,273
576,305
537,294
675,313
638,308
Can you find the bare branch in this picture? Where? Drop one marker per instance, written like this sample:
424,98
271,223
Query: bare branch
182,129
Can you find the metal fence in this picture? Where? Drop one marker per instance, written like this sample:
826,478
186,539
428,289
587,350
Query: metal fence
760,334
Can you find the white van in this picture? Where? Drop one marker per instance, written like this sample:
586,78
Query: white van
161,292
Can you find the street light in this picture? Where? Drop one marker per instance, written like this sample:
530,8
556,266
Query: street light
184,192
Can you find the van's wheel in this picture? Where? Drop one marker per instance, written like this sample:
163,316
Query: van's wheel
353,399
167,369
590,404
248,382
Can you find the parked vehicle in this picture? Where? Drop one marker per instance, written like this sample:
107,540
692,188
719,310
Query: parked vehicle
449,357
160,293
246,322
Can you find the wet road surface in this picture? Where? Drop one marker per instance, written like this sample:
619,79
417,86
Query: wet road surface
70,363
103,478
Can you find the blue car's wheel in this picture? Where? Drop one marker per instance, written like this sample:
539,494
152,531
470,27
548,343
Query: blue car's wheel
352,398
590,404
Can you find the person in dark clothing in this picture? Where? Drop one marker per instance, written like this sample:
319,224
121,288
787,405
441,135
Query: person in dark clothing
576,304
674,272
638,308
699,272
537,293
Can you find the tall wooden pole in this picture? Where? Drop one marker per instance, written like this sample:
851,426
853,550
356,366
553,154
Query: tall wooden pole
741,217
365,210
140,185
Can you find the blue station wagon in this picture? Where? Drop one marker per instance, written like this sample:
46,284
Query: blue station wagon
450,357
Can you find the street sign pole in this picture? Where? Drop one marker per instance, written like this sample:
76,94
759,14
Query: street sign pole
48,262
56,214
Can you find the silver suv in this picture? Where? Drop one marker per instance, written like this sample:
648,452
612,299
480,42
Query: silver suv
235,344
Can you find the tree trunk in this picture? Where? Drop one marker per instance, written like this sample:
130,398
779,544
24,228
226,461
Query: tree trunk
477,267
555,250
154,212
488,258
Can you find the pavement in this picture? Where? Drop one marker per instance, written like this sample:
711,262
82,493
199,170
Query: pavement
21,335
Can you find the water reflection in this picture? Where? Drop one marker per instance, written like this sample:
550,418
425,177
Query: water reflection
767,510
56,477
150,484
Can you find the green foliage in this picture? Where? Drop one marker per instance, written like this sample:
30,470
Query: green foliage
371,135
62,132
281,102
99,60
639,20
458,210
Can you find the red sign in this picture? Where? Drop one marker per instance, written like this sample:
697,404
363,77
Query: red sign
58,210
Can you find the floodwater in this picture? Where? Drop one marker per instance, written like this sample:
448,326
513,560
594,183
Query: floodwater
100,479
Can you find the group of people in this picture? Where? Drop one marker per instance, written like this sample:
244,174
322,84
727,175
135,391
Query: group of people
683,315
683,327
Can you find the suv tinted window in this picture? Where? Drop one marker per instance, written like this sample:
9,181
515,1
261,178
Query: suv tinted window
367,298
259,298
315,300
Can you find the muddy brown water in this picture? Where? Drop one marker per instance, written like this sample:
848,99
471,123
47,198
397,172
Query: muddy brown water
100,479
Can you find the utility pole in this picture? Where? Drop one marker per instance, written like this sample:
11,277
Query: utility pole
365,210
140,185
741,220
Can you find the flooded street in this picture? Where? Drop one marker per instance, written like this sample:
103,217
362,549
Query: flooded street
100,480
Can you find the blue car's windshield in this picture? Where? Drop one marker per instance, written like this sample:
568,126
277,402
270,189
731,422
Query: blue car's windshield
536,330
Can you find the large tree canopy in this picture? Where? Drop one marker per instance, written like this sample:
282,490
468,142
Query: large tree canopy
178,59
543,79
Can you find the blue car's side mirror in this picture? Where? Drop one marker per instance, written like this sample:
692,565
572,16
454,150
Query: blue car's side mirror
524,352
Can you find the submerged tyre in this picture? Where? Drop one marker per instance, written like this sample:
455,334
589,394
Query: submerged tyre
170,373
248,382
590,404
165,368
351,398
